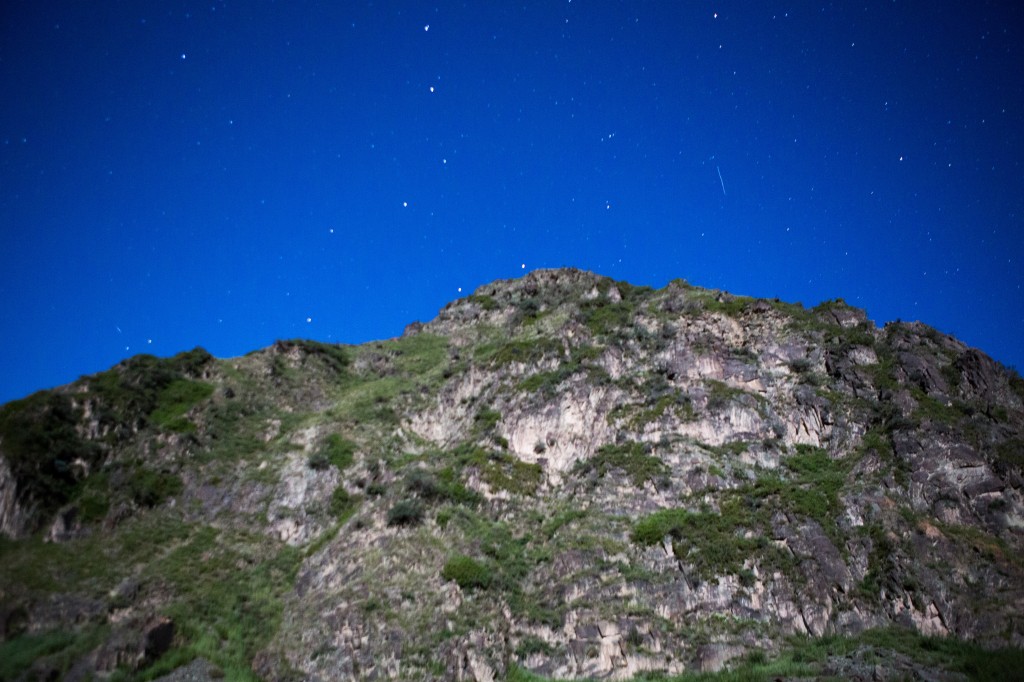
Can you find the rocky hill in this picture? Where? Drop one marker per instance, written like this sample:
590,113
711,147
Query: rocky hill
561,476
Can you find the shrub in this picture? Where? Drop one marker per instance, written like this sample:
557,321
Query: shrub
531,644
93,504
1010,453
466,572
484,301
336,451
406,513
525,351
423,484
631,458
712,543
500,470
334,357
40,443
342,504
653,528
720,394
180,396
145,387
150,488
486,420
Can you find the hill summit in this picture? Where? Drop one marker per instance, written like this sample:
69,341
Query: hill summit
561,476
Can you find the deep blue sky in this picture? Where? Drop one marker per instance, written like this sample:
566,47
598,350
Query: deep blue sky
224,174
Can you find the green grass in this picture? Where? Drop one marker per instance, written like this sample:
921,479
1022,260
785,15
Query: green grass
636,417
225,587
150,488
418,355
729,305
407,512
467,572
604,318
804,657
485,421
721,395
818,478
409,368
526,351
62,648
180,396
142,385
711,542
40,444
613,319
499,470
732,448
444,486
630,458
40,433
336,451
343,505
547,383
1010,453
484,301
714,543
509,555
229,588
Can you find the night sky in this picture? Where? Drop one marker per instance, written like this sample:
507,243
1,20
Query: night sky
225,174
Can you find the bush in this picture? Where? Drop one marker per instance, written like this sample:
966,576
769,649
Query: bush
423,484
486,420
500,470
484,301
180,396
628,457
150,488
342,504
652,529
712,543
40,442
406,513
336,451
467,572
531,644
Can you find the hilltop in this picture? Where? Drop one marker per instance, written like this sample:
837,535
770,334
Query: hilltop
560,476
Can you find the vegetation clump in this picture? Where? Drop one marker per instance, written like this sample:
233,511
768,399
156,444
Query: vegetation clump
631,458
343,504
499,470
41,446
467,572
173,402
337,452
407,512
713,543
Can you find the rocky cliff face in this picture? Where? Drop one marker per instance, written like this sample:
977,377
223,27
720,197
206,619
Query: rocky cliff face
561,475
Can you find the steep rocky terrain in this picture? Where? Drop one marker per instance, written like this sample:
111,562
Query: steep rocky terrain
561,476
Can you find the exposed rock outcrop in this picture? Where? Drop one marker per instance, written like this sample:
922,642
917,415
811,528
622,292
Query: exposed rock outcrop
560,473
